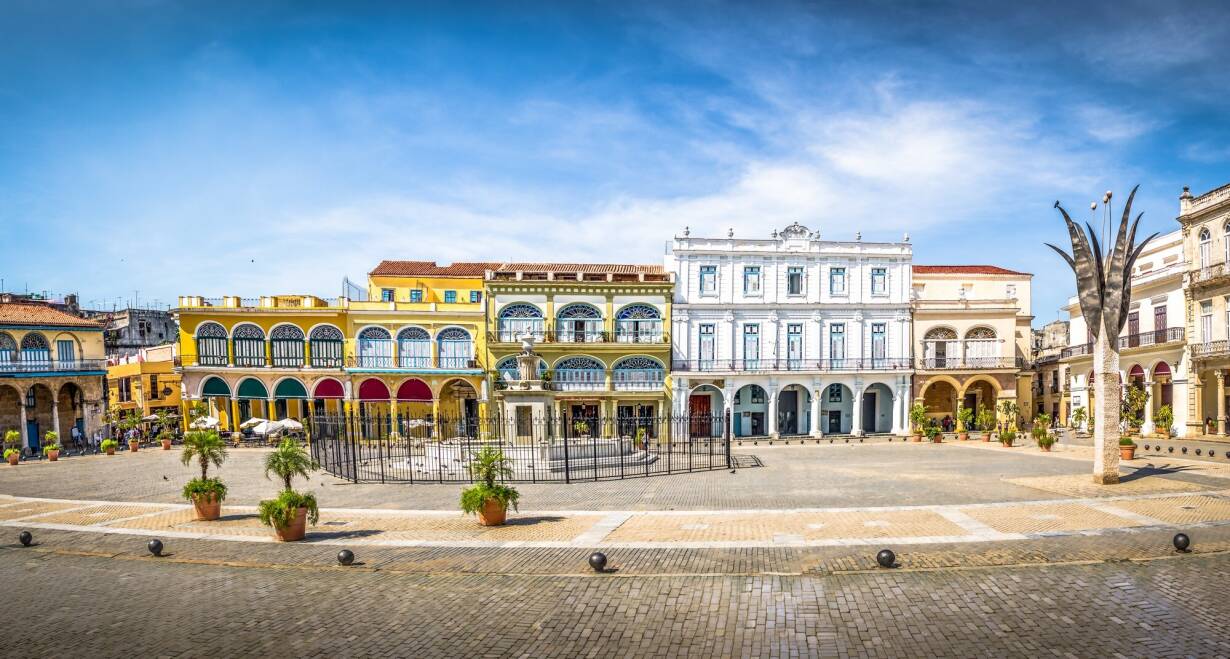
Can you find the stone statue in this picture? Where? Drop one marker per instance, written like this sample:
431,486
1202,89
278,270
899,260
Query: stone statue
1104,288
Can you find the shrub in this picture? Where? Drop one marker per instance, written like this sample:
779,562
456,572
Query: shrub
965,417
280,512
206,447
1163,419
289,460
931,431
109,445
12,438
51,442
486,467
205,487
1126,441
11,451
918,416
1007,436
986,419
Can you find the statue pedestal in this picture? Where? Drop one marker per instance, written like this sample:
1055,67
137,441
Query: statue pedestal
1107,392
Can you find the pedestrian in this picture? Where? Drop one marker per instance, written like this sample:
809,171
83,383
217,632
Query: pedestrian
76,434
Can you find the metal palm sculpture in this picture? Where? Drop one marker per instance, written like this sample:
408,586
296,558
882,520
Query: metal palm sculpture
1104,289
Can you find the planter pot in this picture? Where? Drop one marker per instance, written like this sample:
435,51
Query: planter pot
14,458
1005,444
296,530
492,513
962,436
166,445
1127,452
53,456
1045,449
208,508
939,439
111,451
132,446
915,438
986,437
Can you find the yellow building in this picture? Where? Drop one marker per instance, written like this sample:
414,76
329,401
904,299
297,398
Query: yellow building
51,372
972,334
601,330
146,382
1205,226
415,350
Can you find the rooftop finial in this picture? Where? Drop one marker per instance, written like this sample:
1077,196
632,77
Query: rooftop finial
730,233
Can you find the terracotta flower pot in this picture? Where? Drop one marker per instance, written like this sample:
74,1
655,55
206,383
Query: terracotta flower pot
492,513
208,508
1045,449
916,438
132,445
53,456
111,451
939,439
962,436
296,530
1127,452
986,436
166,445
14,458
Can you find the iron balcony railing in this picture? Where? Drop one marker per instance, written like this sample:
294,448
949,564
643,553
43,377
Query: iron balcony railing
790,364
1076,351
1211,349
579,379
639,336
1209,273
52,366
638,379
1156,337
966,363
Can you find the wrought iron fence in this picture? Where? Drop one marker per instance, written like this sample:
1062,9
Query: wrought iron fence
554,448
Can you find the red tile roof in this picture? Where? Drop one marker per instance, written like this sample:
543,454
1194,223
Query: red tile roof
965,270
572,268
37,313
431,269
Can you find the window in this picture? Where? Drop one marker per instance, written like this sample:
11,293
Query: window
879,345
211,345
1206,321
834,393
708,280
757,395
249,345
520,318
1206,241
386,295
837,281
326,347
375,348
794,280
66,351
706,345
879,281
837,344
638,323
751,280
416,295
125,390
153,387
476,297
450,297
1225,239
455,348
286,344
751,344
794,346
414,348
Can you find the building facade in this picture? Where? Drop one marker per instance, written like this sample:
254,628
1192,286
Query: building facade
1051,389
972,337
1204,222
145,382
791,334
127,331
52,367
415,349
601,331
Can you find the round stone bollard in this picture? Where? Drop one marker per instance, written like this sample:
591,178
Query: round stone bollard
155,547
25,537
597,561
345,557
1182,542
886,558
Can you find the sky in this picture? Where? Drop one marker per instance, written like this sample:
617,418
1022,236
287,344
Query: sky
150,149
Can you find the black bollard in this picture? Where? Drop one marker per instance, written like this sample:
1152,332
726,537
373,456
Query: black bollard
597,561
1182,542
886,558
155,547
345,557
26,538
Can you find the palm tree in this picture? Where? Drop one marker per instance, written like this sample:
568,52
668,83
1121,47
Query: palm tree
289,460
206,447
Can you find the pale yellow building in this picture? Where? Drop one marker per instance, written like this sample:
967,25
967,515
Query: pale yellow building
1205,224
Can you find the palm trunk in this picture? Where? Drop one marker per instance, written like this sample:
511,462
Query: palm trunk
1106,394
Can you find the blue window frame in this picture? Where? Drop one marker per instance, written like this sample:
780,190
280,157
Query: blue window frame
708,280
476,297
837,281
751,280
386,295
416,295
450,297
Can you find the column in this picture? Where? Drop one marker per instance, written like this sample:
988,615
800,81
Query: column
1195,422
1221,401
234,414
897,398
55,415
271,409
25,429
772,420
393,427
856,415
681,388
1147,426
816,421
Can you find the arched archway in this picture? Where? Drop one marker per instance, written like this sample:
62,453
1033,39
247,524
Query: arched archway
750,410
837,409
578,322
70,403
794,410
877,412
10,409
1163,384
980,394
458,405
413,400
706,411
327,396
940,399
290,398
38,415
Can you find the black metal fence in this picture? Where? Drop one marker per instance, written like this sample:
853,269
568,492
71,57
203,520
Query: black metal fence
566,449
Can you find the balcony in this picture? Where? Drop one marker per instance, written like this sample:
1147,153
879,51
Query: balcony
1211,349
789,364
1154,338
969,363
377,361
638,379
1210,274
51,366
579,379
1076,351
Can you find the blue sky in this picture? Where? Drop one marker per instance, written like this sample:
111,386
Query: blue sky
247,148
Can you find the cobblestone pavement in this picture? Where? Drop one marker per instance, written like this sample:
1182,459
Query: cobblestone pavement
678,603
880,474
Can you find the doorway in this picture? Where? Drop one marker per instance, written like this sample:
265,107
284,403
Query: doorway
834,422
787,412
869,411
32,433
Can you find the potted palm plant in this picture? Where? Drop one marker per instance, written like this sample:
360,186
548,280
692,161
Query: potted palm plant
965,419
1041,432
1127,448
165,435
1163,421
109,445
487,497
51,445
918,418
1007,437
290,512
1133,407
205,493
1079,415
12,453
933,433
986,422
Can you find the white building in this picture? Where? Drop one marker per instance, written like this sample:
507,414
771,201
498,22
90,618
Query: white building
792,334
1152,344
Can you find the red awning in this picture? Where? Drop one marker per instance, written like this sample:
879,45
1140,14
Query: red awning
414,390
373,389
329,388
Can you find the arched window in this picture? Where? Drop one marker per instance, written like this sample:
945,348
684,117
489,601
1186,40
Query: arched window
520,318
35,351
211,345
1225,240
286,343
326,345
455,348
638,373
414,348
1206,240
981,348
638,323
249,345
375,348
8,352
579,373
508,369
578,323
941,348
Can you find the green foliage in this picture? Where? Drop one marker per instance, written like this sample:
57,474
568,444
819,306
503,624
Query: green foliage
986,419
487,466
280,512
1079,415
12,438
965,419
1007,437
11,451
1132,406
204,446
931,431
205,487
1010,410
289,460
918,416
51,442
1163,419
580,427
1126,441
109,445
474,497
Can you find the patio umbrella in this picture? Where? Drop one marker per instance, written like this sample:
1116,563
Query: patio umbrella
152,417
266,428
204,422
253,422
291,424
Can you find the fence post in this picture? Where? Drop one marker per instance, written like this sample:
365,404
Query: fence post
380,450
726,436
354,451
566,433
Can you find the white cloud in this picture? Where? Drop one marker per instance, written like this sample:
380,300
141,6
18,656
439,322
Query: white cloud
1110,125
